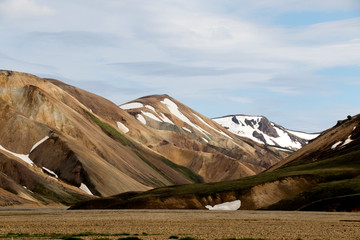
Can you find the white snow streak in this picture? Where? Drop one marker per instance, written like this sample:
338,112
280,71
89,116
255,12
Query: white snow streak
335,145
229,206
85,188
122,127
165,119
150,107
141,119
186,129
50,172
132,105
23,157
347,141
152,116
175,111
39,142
205,140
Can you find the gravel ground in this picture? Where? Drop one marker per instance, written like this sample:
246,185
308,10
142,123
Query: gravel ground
199,224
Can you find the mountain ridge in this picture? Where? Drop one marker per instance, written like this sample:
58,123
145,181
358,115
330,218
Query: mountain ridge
258,128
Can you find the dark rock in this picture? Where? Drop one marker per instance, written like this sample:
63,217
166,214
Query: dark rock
259,136
234,119
266,127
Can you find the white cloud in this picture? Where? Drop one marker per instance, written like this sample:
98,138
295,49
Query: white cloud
204,49
22,8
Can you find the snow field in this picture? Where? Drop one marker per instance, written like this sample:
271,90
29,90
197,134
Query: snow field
244,130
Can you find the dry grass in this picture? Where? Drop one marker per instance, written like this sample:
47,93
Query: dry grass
161,224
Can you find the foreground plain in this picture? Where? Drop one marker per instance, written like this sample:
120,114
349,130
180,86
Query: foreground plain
161,224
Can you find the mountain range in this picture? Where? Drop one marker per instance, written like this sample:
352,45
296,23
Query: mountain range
61,145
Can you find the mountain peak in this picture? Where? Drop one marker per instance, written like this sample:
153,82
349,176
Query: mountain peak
262,130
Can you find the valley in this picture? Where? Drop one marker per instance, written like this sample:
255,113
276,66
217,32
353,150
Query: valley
162,224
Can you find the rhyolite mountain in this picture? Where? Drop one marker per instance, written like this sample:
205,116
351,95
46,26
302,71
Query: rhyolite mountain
190,139
60,144
322,176
261,130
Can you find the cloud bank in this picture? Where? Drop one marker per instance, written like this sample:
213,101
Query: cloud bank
219,57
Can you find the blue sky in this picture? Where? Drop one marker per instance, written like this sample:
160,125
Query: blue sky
295,61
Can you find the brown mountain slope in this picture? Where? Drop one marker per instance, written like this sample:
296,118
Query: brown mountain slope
331,143
78,146
197,142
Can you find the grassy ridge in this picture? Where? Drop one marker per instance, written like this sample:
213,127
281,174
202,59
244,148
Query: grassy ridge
110,131
187,173
341,168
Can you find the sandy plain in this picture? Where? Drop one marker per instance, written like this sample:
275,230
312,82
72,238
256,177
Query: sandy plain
161,224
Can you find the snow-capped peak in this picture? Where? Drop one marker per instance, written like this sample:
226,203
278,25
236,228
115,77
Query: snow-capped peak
261,130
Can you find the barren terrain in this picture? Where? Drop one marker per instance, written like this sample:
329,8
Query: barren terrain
161,224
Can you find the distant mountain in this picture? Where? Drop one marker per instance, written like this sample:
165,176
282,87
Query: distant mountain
261,130
192,140
322,176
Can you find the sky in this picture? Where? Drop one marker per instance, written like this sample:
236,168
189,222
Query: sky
297,62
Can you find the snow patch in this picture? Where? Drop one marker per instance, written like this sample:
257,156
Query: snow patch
186,129
132,105
229,206
122,127
335,145
141,119
205,140
50,172
165,119
150,107
152,116
347,141
173,108
23,157
39,142
85,188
